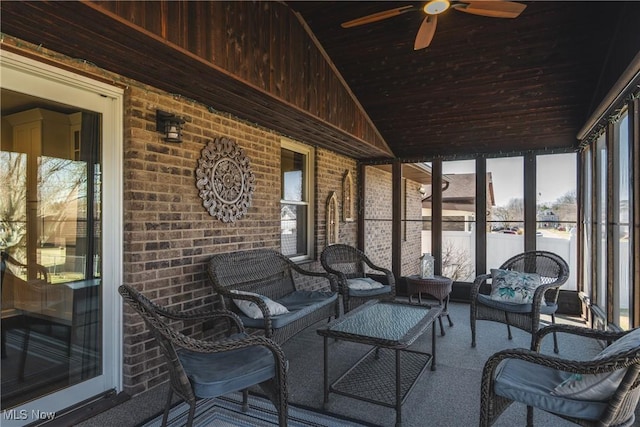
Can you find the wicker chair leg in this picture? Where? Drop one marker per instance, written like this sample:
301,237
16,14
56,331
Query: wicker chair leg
472,317
245,400
509,331
167,407
283,408
192,413
529,416
556,350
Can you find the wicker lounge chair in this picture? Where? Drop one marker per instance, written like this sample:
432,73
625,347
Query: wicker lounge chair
204,369
553,272
599,392
349,263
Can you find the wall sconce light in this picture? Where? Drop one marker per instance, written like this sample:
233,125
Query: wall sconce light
170,125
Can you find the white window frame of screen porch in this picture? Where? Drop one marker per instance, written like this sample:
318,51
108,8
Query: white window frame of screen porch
309,153
35,78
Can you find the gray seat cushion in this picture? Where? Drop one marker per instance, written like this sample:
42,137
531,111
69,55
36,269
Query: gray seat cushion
545,308
299,304
386,289
215,374
533,384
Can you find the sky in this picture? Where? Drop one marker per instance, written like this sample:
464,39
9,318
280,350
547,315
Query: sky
556,176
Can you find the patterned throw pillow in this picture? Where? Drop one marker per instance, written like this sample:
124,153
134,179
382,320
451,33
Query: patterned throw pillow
513,286
252,310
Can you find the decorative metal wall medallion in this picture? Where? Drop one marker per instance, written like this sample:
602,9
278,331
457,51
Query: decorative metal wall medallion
225,180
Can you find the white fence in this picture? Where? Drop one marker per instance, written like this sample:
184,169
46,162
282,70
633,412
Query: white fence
461,247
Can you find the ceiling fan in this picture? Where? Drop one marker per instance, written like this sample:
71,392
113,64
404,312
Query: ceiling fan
494,9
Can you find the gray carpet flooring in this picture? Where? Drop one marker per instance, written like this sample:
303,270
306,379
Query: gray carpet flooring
448,396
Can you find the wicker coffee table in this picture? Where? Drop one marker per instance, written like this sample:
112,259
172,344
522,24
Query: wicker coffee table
439,287
390,327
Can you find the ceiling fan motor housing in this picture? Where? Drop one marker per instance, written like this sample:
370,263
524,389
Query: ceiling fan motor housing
435,7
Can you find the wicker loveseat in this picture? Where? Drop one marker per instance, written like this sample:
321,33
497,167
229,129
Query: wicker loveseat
269,274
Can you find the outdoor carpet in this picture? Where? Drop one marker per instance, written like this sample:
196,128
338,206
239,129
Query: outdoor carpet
226,411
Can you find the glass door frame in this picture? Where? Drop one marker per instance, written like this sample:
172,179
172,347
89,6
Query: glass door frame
35,78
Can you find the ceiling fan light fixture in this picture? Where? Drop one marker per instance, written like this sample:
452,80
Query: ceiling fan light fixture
436,7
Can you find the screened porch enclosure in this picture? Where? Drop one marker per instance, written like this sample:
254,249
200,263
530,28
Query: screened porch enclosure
472,215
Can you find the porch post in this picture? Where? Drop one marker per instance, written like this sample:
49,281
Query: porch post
360,205
482,208
530,201
436,214
396,219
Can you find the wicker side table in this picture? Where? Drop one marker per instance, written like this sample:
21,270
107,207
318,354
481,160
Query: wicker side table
439,287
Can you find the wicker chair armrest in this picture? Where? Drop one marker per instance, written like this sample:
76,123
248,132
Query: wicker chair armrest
205,315
538,297
372,266
334,282
330,276
197,314
538,294
540,290
225,344
608,364
479,281
340,278
266,313
577,330
251,298
391,279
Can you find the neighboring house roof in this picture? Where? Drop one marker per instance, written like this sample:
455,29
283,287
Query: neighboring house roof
459,191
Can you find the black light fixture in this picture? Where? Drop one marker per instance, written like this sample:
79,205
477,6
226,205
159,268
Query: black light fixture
170,125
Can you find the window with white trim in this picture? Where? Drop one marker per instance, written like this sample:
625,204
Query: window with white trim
296,204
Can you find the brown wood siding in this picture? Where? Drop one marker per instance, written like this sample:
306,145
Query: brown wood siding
208,52
260,43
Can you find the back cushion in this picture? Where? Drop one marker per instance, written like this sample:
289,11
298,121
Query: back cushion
599,387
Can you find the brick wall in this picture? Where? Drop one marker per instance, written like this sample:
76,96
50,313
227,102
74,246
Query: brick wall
378,214
412,244
330,171
168,235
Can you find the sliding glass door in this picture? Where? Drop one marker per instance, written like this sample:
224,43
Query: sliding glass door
56,351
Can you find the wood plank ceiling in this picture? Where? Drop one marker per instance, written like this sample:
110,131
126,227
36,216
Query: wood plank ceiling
484,85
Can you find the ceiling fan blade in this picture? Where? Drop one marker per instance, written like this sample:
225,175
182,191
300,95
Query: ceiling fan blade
378,16
493,9
426,32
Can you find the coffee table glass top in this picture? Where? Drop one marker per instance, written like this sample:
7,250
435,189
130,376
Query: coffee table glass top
391,322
